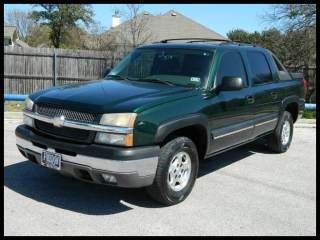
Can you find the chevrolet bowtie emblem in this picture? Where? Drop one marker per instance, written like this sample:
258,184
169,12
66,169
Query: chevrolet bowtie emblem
58,121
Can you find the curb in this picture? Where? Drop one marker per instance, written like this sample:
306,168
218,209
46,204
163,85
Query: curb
12,115
305,125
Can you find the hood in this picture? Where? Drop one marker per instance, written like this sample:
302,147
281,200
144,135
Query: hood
107,96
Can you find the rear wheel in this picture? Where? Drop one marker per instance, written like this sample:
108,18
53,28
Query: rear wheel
279,141
176,172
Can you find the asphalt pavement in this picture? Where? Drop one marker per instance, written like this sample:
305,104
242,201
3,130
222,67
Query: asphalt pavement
246,191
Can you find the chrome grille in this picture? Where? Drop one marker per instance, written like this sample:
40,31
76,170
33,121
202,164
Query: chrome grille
73,134
54,111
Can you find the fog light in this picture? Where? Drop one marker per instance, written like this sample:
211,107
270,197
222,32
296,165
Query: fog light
28,120
109,178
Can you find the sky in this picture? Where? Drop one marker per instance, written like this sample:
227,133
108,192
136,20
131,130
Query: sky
221,18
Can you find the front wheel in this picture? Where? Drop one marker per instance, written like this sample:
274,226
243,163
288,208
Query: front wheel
279,141
176,172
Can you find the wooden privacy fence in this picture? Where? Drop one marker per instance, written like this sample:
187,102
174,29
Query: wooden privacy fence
27,70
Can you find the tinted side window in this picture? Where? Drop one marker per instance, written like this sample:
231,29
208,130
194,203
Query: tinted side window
231,65
281,71
259,67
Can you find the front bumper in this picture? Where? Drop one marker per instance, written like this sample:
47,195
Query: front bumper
132,167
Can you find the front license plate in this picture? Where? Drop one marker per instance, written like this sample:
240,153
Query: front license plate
51,160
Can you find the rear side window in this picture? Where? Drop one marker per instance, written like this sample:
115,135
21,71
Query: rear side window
282,73
259,67
231,65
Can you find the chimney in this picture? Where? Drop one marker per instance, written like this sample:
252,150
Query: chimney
173,12
116,19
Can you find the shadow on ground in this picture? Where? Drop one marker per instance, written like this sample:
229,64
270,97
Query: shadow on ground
49,187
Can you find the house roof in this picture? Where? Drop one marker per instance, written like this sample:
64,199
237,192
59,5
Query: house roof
175,25
168,25
9,31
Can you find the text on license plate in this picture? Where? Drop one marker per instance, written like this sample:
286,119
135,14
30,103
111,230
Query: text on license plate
51,160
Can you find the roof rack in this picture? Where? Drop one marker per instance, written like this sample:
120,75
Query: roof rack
222,41
195,40
239,43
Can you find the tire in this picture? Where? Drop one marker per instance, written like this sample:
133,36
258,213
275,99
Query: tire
279,141
164,189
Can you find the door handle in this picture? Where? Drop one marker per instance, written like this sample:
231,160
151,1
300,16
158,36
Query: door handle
250,99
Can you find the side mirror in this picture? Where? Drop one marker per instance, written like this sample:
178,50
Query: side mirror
106,72
231,84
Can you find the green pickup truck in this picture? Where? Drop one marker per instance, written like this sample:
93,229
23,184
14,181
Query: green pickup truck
161,110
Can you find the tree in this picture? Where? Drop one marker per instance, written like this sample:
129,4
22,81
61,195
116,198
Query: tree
292,16
60,18
299,23
134,31
243,36
292,48
97,39
271,39
137,25
38,36
21,20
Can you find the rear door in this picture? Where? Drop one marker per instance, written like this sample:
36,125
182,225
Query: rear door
265,91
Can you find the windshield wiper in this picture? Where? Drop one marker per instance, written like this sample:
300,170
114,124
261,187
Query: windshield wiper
157,80
119,77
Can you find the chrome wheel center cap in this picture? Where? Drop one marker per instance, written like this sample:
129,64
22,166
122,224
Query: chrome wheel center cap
179,171
285,134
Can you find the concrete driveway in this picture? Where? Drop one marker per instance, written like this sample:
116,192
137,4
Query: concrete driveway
247,191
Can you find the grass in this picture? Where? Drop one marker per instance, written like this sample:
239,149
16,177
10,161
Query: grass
14,106
309,114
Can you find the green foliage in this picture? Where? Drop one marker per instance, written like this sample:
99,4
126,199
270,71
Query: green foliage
295,46
271,39
39,36
14,106
60,18
309,114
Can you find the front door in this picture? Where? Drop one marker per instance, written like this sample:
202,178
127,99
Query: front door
230,118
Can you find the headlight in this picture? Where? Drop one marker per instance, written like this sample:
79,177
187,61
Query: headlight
115,139
29,104
125,120
118,119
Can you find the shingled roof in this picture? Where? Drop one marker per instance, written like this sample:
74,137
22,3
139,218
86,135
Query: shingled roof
175,25
9,32
168,25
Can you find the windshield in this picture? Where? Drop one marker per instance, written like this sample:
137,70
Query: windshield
185,67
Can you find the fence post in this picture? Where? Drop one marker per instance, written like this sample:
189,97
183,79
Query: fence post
54,69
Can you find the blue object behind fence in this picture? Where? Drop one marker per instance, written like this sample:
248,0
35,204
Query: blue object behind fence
310,106
14,97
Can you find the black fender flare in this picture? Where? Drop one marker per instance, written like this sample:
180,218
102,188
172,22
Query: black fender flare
291,99
175,124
